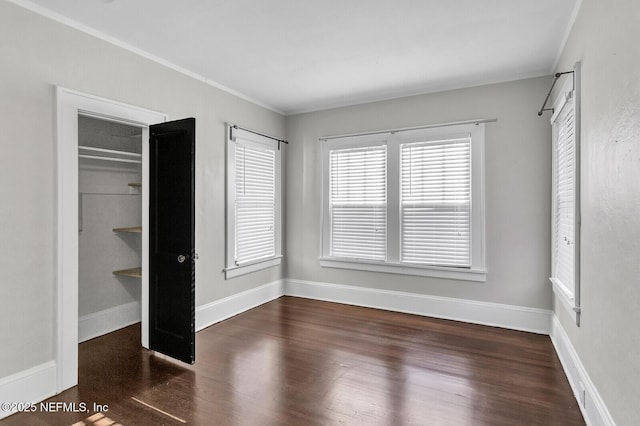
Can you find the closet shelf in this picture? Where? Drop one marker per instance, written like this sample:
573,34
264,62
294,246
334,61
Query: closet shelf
132,272
131,229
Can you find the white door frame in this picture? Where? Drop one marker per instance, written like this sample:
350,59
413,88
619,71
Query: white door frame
70,104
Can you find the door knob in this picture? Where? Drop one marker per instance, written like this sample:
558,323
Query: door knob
181,258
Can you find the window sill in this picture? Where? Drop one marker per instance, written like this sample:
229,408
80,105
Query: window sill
479,275
566,299
236,271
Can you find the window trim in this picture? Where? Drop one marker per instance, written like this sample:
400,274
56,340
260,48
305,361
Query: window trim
570,300
232,270
394,139
477,275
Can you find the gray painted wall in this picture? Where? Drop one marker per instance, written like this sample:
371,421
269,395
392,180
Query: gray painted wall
518,185
36,54
605,39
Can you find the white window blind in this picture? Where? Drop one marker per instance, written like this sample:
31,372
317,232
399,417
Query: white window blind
358,203
565,197
435,202
255,202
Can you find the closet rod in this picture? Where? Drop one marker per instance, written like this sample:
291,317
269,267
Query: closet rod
109,151
120,160
107,193
135,135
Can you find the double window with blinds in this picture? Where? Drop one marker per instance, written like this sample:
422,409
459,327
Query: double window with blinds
408,202
253,202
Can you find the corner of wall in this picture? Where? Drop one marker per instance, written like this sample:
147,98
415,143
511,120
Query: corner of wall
593,408
219,310
472,311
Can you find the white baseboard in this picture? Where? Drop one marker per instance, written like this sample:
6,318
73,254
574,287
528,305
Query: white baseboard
103,322
593,408
222,309
27,387
493,314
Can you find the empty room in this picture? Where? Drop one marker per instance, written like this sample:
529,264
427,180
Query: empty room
278,212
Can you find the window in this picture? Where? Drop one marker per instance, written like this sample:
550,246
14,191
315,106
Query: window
408,202
435,202
253,202
565,224
358,203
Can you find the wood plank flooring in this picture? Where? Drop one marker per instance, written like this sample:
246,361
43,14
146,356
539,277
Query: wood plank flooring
294,361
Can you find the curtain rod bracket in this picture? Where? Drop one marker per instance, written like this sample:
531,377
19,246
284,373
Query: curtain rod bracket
556,76
281,141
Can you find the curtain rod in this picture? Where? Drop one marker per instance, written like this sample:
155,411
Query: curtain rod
233,126
406,129
555,79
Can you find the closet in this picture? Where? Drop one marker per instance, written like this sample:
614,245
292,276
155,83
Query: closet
109,219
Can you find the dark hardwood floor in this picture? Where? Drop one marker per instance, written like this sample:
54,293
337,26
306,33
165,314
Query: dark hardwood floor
302,362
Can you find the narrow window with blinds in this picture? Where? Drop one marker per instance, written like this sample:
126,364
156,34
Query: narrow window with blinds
357,203
405,202
565,201
435,211
253,202
564,214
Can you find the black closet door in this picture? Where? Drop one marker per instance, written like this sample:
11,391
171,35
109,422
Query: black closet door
171,239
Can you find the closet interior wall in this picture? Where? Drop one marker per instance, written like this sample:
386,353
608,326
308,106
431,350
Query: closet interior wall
110,215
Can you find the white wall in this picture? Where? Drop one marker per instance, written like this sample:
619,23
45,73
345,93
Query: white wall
518,156
605,39
37,53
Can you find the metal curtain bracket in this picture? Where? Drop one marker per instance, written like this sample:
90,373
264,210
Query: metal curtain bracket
555,79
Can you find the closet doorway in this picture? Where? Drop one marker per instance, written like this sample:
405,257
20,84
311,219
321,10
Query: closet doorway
80,170
109,226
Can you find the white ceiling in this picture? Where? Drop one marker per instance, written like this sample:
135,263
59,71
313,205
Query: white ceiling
303,55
